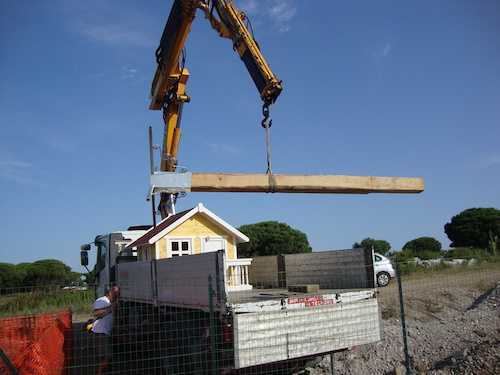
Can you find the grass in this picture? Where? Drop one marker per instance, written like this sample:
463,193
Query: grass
434,290
411,271
45,301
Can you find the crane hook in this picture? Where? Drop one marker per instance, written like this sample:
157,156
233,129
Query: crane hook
266,123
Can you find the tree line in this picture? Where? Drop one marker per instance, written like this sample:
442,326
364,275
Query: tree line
43,272
472,232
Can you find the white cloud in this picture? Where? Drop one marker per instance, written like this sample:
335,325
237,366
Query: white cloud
128,73
386,50
108,22
382,51
249,6
282,13
279,12
489,161
115,34
19,172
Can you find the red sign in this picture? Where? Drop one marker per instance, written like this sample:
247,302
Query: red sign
311,301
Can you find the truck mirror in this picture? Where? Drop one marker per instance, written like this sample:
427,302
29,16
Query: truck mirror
84,258
85,247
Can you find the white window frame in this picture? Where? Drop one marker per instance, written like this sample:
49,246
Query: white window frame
180,240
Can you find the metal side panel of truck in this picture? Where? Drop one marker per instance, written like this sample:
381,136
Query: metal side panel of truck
272,324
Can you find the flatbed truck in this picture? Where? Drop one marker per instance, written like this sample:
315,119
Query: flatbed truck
180,316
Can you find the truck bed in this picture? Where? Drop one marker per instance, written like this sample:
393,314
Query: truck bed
269,324
274,325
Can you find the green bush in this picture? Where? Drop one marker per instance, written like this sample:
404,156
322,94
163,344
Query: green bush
406,268
466,253
402,256
426,255
421,244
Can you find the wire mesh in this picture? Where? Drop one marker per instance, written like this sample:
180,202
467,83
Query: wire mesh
192,319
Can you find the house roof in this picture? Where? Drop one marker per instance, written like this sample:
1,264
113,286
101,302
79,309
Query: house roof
170,223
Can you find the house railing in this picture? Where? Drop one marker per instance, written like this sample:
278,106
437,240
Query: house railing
237,274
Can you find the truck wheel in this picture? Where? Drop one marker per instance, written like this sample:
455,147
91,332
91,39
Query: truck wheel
383,279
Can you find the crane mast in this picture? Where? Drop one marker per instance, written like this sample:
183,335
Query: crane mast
168,89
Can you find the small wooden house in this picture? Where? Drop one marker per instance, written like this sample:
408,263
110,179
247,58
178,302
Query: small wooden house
192,232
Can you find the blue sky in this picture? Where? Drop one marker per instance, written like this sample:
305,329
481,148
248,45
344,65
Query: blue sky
371,88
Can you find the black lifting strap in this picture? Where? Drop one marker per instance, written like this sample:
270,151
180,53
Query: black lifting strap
266,124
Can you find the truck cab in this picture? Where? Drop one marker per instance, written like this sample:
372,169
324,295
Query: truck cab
110,250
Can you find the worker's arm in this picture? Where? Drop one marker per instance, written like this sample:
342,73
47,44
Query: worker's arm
100,313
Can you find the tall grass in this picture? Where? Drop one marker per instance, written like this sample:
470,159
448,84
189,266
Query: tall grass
412,270
46,300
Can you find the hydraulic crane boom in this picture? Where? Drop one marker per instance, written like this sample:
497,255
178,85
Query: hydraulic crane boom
168,89
229,24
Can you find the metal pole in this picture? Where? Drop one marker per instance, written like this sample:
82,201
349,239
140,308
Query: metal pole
151,171
213,345
403,321
332,364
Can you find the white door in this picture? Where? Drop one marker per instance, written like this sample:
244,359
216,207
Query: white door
214,244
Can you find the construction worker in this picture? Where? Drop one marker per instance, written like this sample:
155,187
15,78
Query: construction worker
102,327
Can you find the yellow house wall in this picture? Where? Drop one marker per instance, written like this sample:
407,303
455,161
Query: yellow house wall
196,228
161,248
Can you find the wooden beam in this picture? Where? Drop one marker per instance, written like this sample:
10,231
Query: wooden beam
329,184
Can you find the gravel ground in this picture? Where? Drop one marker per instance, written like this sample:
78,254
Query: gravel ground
453,323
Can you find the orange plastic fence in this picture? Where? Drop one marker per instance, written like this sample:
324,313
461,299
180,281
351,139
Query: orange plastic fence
37,344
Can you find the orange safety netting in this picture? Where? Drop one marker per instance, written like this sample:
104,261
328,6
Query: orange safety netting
37,344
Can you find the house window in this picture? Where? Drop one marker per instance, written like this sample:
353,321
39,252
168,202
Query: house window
180,247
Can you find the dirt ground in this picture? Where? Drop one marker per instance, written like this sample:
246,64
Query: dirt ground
453,323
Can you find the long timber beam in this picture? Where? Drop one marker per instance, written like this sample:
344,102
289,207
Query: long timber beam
284,183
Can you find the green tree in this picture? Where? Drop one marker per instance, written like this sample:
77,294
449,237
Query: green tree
379,246
474,227
421,244
272,238
49,272
10,276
